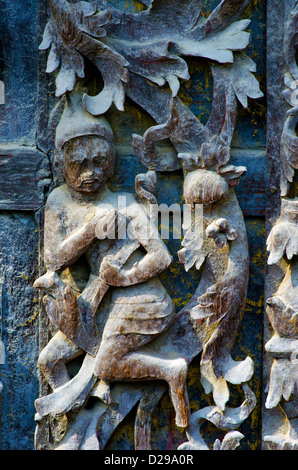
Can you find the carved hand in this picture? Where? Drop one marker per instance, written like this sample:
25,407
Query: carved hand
49,281
105,224
109,271
113,273
61,252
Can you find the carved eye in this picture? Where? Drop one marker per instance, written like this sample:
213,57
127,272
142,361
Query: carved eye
99,159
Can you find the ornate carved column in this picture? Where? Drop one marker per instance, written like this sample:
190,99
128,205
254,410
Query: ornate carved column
117,337
281,331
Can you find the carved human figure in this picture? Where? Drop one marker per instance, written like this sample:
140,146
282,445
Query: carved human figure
81,221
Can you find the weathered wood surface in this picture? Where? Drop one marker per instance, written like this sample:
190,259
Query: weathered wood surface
18,269
18,71
251,196
24,178
135,61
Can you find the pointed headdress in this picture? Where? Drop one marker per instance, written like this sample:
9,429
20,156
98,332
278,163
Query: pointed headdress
77,122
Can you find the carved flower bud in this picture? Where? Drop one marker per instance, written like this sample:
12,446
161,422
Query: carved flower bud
204,187
212,230
232,234
223,224
220,240
221,232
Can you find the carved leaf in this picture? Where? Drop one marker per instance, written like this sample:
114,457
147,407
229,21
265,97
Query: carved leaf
232,173
70,61
226,12
158,58
154,62
114,74
230,441
282,240
214,153
240,78
193,252
227,420
153,51
220,46
289,153
186,13
231,82
74,32
190,161
282,382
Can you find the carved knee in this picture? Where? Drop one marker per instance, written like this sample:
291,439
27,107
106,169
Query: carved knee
106,362
102,366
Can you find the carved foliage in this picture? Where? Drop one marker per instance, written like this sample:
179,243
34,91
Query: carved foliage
282,308
282,245
289,141
149,48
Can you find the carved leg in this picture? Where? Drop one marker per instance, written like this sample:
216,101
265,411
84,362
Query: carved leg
53,358
113,363
146,408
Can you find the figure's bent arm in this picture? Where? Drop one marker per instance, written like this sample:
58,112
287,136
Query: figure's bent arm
61,250
60,254
153,263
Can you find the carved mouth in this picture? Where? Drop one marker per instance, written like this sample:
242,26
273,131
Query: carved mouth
90,181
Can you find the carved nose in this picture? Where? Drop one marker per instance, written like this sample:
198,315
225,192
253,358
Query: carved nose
89,171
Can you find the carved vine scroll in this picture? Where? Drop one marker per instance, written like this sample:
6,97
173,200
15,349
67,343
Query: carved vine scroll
116,315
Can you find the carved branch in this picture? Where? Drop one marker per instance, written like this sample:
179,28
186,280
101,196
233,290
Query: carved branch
229,420
76,30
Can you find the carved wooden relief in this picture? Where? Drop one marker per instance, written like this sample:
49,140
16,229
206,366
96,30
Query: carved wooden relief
280,430
101,288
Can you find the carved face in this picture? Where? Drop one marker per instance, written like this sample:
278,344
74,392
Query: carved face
87,164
